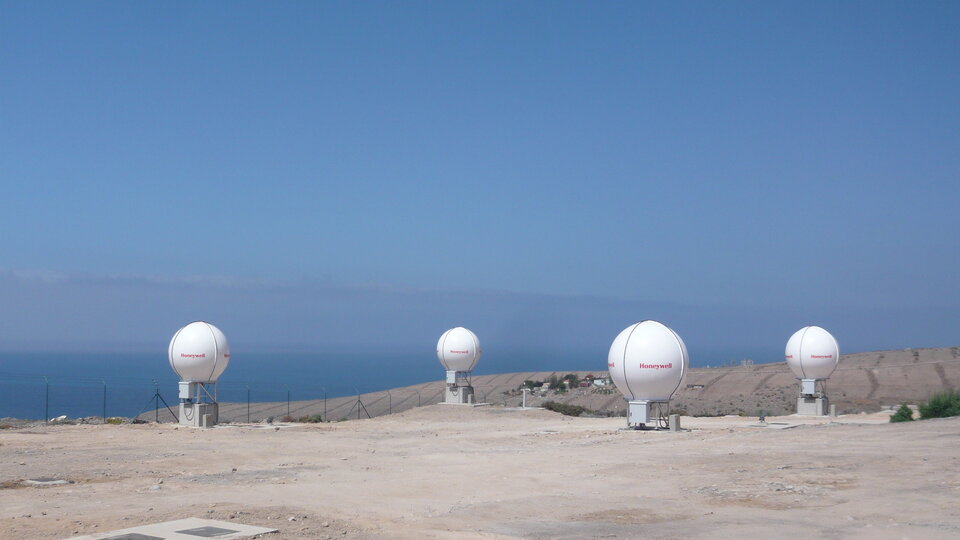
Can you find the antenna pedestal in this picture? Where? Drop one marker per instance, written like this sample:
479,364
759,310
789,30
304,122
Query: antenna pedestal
812,401
459,390
643,413
197,407
813,405
461,395
199,414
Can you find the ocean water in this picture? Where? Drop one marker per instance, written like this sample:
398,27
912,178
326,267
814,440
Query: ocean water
37,385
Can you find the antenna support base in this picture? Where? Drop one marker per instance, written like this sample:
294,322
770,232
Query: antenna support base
643,413
813,405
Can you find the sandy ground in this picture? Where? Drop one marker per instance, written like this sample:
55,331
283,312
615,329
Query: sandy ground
490,472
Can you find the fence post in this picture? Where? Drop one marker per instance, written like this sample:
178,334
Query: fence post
248,404
390,396
46,400
288,402
325,419
418,397
104,400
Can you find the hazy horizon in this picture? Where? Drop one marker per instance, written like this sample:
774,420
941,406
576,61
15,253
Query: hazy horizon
141,314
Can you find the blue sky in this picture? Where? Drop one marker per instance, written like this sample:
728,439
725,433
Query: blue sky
734,169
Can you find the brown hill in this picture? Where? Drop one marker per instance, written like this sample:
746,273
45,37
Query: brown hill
863,382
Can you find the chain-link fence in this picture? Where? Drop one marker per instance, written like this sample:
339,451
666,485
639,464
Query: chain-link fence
48,397
42,397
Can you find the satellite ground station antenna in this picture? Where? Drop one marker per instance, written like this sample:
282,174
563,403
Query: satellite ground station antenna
199,354
458,349
812,353
647,362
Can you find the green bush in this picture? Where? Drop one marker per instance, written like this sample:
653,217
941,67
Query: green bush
312,419
903,414
941,405
564,408
113,420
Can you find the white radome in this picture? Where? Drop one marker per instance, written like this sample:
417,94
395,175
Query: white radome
458,349
199,352
648,361
812,353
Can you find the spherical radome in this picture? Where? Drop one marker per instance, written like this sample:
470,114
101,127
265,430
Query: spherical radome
812,353
648,361
199,352
458,349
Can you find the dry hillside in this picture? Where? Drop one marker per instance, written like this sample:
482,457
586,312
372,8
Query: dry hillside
863,382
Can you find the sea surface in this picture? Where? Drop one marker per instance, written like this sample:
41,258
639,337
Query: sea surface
46,385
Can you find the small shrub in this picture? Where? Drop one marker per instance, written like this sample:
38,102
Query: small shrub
113,421
564,408
287,419
312,419
903,414
941,405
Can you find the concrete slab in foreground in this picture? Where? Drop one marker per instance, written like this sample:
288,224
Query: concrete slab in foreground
182,529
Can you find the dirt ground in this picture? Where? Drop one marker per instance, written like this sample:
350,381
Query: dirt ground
491,472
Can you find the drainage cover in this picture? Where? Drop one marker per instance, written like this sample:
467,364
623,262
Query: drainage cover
207,532
182,529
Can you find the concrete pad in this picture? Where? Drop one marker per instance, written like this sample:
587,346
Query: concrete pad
465,404
774,425
42,482
182,529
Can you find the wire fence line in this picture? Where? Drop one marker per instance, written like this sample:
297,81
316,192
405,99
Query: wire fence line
357,406
38,397
46,397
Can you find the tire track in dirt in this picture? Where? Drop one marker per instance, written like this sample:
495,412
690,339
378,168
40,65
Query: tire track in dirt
710,383
763,381
943,376
874,383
